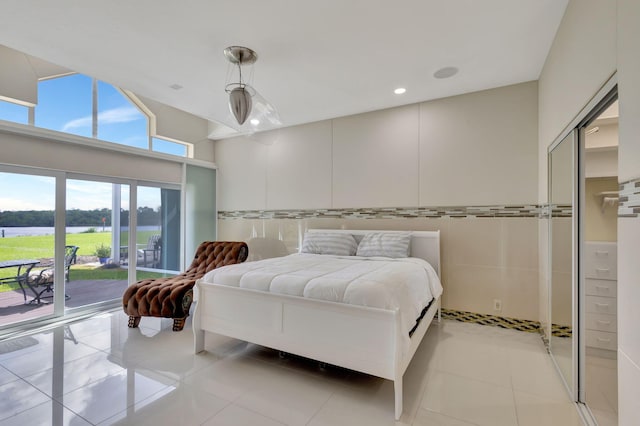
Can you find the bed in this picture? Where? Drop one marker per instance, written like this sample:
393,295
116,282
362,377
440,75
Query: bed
340,325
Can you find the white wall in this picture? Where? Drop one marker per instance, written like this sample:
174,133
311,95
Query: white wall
582,58
601,163
296,152
19,81
600,222
376,158
474,149
41,148
176,124
628,228
477,148
595,38
605,137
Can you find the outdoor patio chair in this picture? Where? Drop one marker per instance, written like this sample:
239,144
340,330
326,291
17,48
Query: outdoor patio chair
150,253
44,277
171,297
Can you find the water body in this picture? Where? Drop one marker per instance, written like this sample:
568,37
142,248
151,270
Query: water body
19,231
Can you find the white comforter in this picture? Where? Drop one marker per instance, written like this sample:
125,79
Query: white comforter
406,284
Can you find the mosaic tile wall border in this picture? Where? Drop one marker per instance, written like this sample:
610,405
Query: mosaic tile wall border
629,198
492,320
504,322
508,211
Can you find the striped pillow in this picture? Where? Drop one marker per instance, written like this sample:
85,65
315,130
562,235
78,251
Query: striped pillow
385,244
329,243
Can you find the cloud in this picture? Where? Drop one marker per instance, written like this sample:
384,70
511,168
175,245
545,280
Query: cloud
110,116
13,204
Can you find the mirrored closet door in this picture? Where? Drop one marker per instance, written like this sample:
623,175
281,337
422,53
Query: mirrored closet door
562,228
598,260
583,214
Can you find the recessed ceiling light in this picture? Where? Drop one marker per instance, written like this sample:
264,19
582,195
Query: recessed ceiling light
399,90
255,121
445,72
176,86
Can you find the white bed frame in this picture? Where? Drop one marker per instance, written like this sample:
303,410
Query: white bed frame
369,340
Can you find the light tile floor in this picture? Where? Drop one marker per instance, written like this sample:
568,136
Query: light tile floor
98,371
602,386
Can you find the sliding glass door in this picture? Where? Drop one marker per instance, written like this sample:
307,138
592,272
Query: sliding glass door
94,273
72,242
27,241
99,220
158,229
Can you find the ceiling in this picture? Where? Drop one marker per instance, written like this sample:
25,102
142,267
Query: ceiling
317,59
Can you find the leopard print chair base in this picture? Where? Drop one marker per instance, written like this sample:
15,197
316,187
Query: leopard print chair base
171,297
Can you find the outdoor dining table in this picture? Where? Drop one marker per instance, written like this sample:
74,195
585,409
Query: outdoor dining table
21,277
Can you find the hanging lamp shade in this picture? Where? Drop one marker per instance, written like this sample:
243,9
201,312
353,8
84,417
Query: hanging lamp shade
245,103
240,104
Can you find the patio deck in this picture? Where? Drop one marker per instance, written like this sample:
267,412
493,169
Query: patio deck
13,309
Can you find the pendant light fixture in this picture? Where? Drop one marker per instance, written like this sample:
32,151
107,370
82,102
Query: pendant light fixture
240,94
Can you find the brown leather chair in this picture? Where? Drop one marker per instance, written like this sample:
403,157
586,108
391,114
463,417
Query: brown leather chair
171,297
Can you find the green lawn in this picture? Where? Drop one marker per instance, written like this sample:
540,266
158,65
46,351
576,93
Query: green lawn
41,246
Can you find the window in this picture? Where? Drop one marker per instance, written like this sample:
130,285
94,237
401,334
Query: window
119,120
169,147
65,105
14,112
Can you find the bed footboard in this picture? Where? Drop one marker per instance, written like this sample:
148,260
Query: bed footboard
359,338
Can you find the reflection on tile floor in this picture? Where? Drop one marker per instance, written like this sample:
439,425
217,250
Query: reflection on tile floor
602,385
98,371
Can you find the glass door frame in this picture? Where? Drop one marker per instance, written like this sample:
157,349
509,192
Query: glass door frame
133,216
604,96
60,312
605,101
133,212
58,245
572,136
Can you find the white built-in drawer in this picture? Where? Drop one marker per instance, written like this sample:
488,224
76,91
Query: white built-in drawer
601,260
601,322
600,271
605,288
601,305
602,339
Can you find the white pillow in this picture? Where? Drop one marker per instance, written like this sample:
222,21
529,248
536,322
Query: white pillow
385,244
334,243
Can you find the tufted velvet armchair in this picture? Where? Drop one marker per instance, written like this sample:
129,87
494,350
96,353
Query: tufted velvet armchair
171,297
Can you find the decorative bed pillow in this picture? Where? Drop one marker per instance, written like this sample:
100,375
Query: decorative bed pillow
386,244
334,243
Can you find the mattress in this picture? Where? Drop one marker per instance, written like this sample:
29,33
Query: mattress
405,284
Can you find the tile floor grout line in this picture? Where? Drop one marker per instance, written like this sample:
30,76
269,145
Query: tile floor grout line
451,417
22,411
326,401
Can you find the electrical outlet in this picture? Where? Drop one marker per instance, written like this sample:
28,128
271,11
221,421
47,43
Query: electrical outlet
497,304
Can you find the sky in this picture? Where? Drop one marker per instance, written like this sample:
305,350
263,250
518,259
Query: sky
65,105
29,192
